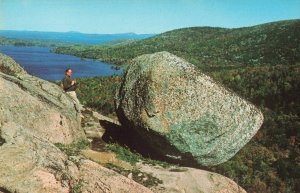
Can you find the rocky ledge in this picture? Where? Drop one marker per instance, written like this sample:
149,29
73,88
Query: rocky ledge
34,115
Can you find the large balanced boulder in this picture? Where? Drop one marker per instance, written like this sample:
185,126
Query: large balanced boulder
183,113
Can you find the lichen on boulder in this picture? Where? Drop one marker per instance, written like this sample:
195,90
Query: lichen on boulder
182,112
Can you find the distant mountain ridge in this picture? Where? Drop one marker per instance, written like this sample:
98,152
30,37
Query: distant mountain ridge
72,36
270,43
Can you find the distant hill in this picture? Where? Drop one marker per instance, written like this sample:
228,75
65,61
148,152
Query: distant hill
71,37
5,41
270,43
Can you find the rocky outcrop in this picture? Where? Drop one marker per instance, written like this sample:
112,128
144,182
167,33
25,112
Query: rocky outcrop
9,66
183,113
37,104
30,163
99,179
34,115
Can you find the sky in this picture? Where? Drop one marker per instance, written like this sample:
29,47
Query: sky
140,16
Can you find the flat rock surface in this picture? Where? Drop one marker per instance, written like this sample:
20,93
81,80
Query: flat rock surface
183,179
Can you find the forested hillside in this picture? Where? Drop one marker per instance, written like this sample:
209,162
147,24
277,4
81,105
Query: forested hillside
206,47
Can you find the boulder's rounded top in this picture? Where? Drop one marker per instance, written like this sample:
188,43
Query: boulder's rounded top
160,60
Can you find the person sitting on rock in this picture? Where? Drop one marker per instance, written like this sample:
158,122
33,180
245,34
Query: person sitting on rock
69,87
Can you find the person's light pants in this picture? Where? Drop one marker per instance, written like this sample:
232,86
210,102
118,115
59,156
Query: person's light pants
77,104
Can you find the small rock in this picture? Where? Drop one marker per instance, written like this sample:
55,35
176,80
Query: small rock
93,133
145,179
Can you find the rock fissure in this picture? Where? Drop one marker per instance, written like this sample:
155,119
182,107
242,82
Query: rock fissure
2,141
14,80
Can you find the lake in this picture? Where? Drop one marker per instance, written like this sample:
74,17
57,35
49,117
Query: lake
41,62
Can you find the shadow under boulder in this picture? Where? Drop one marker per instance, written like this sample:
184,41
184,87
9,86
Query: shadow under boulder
129,138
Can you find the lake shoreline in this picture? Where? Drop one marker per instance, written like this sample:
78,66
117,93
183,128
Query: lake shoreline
44,63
